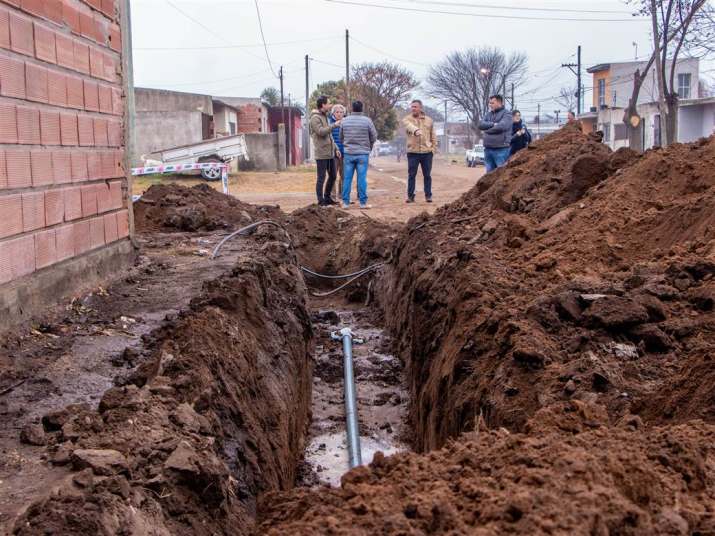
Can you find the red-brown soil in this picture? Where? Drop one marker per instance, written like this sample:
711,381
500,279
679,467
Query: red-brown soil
215,415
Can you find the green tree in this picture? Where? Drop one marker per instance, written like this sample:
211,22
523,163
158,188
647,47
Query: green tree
271,96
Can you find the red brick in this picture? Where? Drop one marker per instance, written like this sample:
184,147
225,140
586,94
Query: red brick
81,57
86,25
115,195
53,10
89,200
109,9
11,210
110,228
45,249
117,104
79,166
8,123
82,240
33,6
3,171
64,240
110,68
75,92
42,174
28,125
19,172
62,167
20,256
96,232
94,165
123,223
45,44
114,133
86,130
108,161
50,127
96,67
21,39
100,133
104,201
105,99
36,82
73,203
119,163
4,28
68,129
54,207
70,16
56,88
33,211
96,4
65,50
91,96
12,77
115,38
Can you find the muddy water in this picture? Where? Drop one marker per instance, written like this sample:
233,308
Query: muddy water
382,398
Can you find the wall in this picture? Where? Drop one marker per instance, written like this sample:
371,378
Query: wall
162,100
251,118
162,130
63,191
262,151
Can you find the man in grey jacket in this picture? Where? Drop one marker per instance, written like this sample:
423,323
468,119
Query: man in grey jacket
496,133
358,135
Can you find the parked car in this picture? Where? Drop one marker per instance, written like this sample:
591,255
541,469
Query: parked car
385,150
475,156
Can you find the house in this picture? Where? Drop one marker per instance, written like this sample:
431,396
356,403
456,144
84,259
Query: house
458,135
251,114
292,117
612,89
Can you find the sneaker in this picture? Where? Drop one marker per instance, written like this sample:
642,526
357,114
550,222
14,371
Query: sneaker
428,199
344,206
410,200
365,207
330,201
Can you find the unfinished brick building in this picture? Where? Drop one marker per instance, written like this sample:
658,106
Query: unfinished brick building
64,214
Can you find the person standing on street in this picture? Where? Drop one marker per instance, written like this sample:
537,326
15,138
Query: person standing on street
421,145
520,135
358,135
325,150
336,114
496,132
570,117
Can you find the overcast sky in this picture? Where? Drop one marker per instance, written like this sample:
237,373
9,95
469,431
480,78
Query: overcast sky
172,51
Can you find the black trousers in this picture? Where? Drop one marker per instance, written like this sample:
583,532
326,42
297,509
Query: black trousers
323,189
414,160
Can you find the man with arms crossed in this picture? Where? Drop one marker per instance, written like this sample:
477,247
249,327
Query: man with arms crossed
421,145
496,133
325,150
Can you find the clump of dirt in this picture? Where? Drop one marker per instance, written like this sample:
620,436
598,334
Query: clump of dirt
547,283
624,480
215,416
200,208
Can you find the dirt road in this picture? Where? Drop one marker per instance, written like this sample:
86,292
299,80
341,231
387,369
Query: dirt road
387,186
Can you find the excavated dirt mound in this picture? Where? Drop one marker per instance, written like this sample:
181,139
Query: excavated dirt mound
624,480
216,415
174,207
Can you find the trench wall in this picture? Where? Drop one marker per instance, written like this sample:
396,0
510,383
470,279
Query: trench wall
63,189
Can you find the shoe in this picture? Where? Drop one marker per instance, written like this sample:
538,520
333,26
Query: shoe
344,206
330,201
365,207
428,199
410,200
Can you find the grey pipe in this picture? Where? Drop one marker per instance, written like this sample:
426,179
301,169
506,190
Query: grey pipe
351,411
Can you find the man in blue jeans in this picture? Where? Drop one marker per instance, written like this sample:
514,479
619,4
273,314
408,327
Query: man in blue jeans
496,133
358,135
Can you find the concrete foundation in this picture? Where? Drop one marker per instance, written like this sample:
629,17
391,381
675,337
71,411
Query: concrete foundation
262,152
29,297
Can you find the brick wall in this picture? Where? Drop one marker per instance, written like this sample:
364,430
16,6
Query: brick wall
249,118
63,190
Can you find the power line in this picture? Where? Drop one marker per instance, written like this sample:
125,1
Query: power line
483,15
515,8
256,45
385,53
327,63
263,37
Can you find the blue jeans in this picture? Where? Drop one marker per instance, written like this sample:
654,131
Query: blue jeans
413,161
494,158
351,163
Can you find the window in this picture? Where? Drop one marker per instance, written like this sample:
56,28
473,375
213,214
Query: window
684,85
606,128
620,132
232,128
602,92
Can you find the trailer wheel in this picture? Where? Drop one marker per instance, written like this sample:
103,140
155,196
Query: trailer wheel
211,174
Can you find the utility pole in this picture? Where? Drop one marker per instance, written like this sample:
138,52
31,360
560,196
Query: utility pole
347,70
474,102
513,104
289,145
283,108
446,137
575,68
538,121
306,135
557,112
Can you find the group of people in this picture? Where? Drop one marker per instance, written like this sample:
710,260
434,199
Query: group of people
343,145
503,133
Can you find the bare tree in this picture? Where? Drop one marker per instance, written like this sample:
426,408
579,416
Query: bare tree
466,78
688,25
567,98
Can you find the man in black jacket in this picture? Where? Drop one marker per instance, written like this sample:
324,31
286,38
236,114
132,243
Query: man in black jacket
520,135
496,133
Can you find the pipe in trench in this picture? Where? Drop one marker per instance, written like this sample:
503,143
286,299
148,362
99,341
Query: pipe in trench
351,412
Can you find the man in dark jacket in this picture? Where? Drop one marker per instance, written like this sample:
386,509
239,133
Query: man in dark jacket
325,150
496,133
520,135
